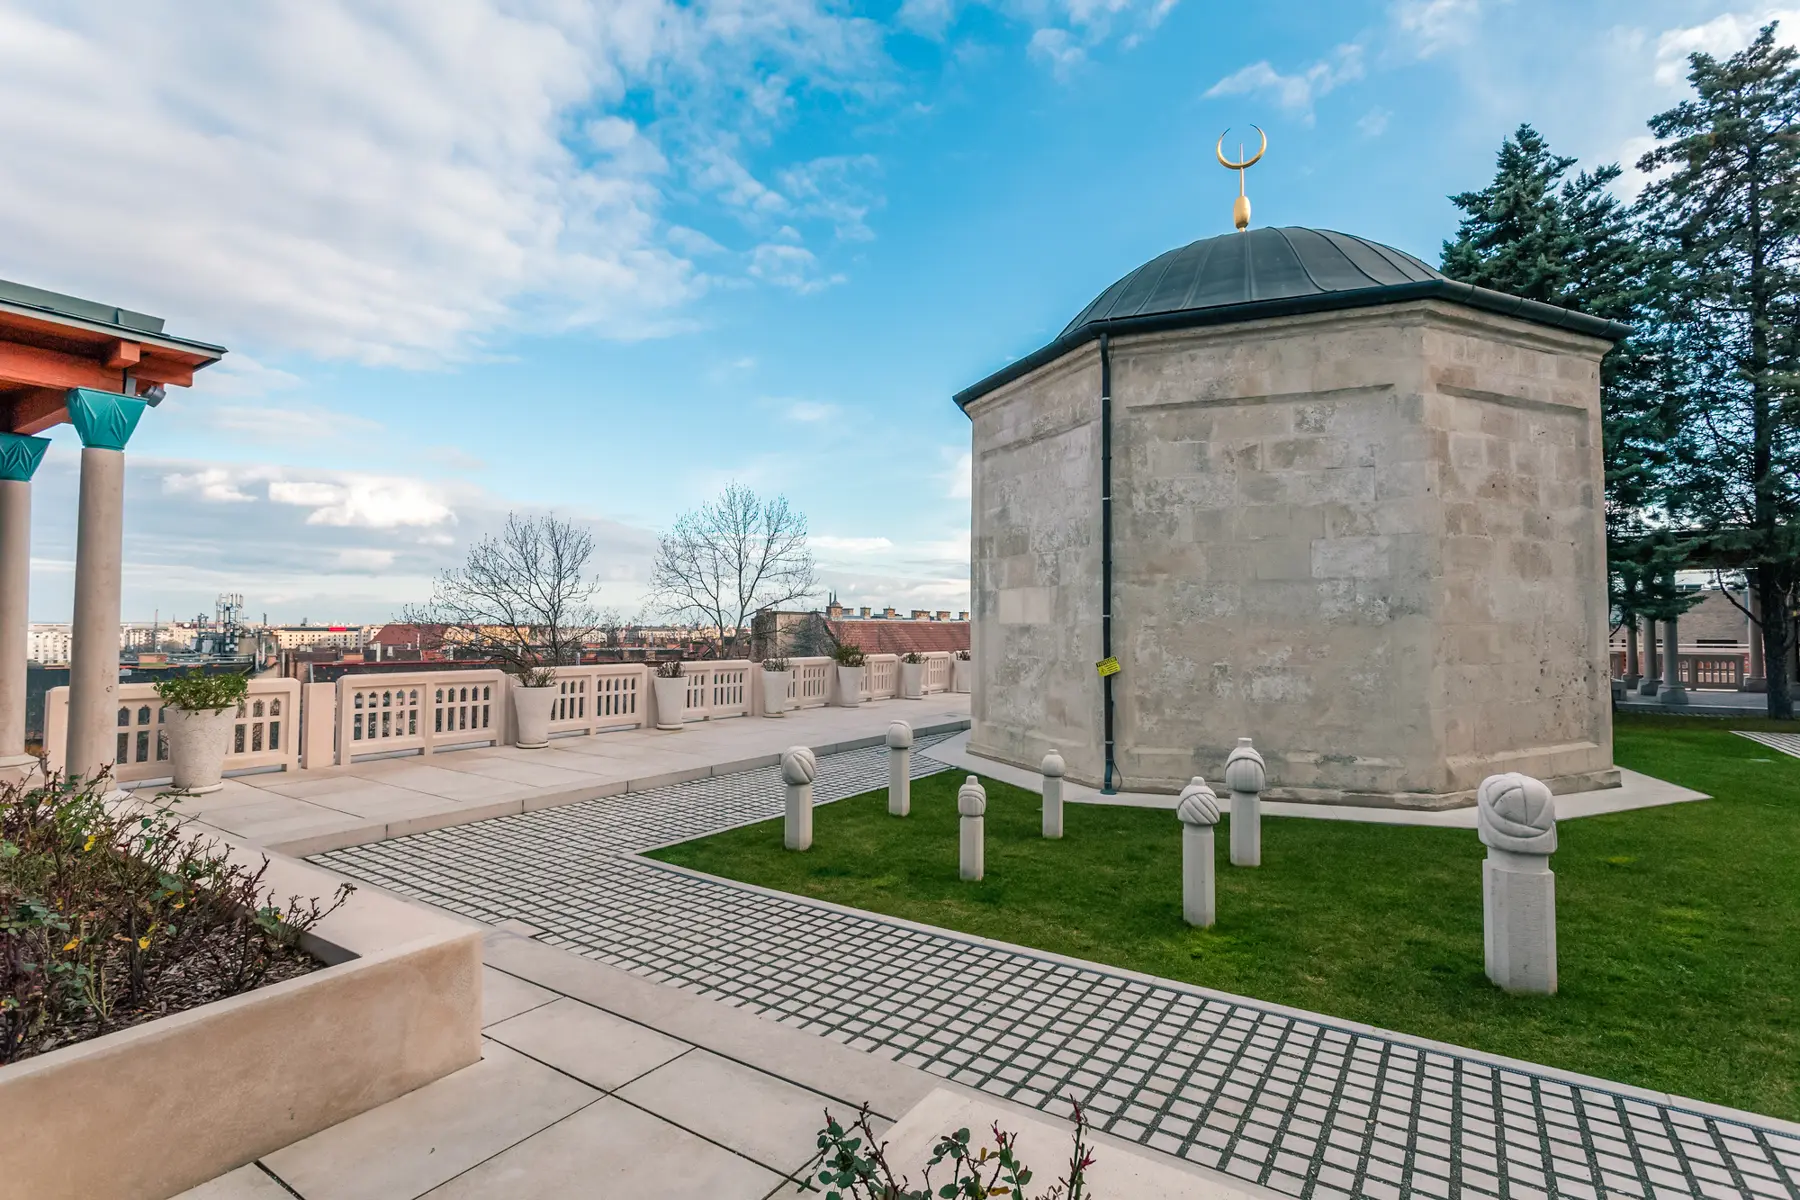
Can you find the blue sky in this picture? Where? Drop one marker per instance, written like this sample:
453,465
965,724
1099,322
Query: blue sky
602,259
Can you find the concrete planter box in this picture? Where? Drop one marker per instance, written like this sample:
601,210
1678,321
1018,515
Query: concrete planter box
850,686
147,1112
671,701
962,675
912,681
775,686
531,707
198,741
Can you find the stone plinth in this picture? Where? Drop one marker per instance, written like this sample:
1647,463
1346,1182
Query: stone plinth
1373,535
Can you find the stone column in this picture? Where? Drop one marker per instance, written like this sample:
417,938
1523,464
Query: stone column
105,421
971,802
1053,801
19,459
1758,678
1515,816
798,770
1652,678
1246,776
1672,691
1199,812
1633,675
899,742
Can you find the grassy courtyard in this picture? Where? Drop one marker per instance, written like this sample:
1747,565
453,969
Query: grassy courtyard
1678,927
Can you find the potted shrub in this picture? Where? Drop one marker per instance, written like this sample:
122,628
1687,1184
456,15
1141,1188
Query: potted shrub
671,694
962,672
912,675
198,714
850,674
777,678
534,693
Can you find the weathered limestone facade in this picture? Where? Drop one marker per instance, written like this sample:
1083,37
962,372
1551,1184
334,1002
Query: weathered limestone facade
1371,539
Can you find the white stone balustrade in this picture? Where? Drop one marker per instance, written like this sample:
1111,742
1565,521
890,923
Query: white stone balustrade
1246,777
971,803
1052,771
1198,810
1516,820
266,733
899,744
799,767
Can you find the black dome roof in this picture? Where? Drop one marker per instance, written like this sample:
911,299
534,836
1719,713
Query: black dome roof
1259,264
1274,273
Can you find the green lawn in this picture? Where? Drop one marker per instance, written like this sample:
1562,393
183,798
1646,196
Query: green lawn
1678,927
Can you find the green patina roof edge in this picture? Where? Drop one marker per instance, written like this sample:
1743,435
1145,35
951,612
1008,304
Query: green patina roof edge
1485,299
136,325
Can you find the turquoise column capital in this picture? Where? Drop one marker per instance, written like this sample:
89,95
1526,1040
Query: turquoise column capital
104,420
20,454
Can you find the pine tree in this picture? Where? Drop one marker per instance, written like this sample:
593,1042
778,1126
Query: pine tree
1726,218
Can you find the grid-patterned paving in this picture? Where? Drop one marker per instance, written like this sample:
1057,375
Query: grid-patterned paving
1787,743
1298,1104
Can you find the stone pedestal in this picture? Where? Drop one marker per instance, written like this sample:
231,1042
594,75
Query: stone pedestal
1246,777
899,743
1516,820
1673,693
799,768
1052,770
971,802
1199,814
19,458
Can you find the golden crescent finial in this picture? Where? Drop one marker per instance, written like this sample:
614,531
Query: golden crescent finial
1248,162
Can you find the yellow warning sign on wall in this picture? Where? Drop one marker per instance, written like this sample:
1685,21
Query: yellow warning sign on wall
1107,666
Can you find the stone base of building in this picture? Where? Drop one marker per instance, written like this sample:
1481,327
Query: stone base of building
1560,784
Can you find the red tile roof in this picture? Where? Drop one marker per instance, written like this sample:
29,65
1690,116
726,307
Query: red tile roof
901,637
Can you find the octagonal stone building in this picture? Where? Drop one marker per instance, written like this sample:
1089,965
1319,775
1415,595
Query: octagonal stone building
1339,503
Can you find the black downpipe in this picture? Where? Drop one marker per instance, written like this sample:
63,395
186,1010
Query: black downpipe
1109,785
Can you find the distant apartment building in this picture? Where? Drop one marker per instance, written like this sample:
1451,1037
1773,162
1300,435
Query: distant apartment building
318,637
807,634
48,644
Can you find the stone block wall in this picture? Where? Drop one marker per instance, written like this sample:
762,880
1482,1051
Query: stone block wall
1371,540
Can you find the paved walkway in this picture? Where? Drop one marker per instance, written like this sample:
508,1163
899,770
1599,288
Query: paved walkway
1292,1101
307,812
1787,743
1700,704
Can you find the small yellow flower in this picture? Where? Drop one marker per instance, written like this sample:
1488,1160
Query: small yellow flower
92,838
73,942
144,942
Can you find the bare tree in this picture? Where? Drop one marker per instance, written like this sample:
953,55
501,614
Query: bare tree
723,562
524,598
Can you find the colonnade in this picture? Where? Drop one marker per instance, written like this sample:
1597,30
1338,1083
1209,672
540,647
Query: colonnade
105,422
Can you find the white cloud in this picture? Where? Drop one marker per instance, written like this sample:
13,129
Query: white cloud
364,501
1374,123
365,558
287,425
959,479
808,411
1059,49
1724,35
793,267
850,545
1297,92
212,484
392,183
1432,26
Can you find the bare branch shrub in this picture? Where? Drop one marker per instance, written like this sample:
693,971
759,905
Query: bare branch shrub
721,563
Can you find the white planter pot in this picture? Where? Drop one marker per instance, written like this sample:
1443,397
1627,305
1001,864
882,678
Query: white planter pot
850,686
671,701
198,741
775,686
962,674
912,681
531,708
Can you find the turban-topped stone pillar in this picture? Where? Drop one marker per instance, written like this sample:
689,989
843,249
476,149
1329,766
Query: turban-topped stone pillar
19,459
1199,813
1246,776
1516,819
899,744
105,421
971,803
1052,770
799,767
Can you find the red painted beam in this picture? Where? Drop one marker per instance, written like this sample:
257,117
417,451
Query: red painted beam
37,410
36,367
122,354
